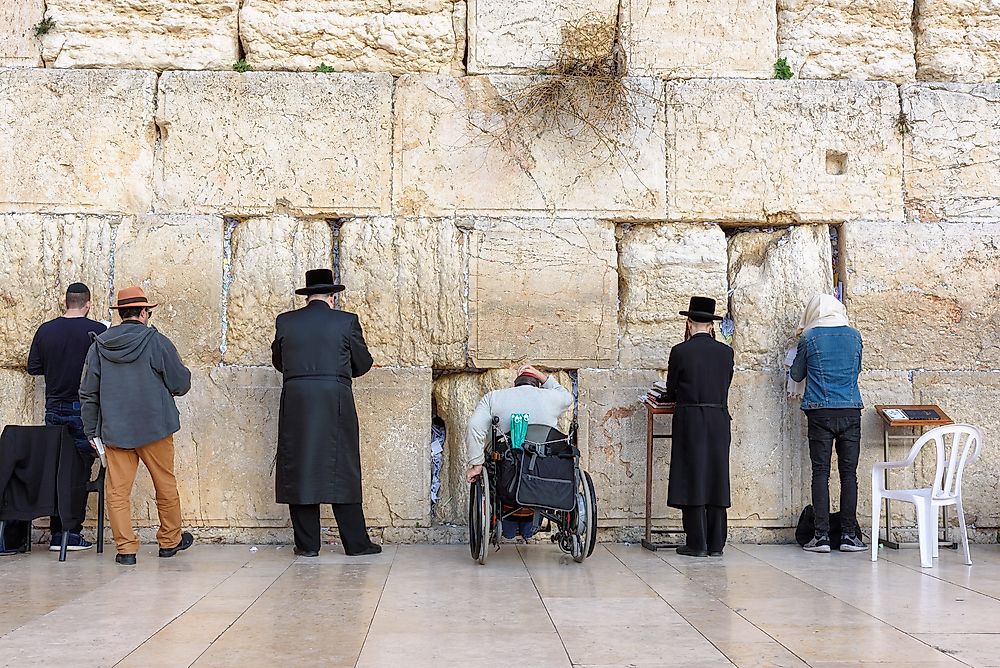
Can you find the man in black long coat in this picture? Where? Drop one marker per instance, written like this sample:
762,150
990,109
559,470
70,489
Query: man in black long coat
699,373
319,349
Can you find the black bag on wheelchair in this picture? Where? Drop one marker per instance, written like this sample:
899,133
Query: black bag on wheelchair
541,474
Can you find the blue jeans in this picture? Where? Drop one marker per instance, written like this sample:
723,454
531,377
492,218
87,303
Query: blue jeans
70,417
512,527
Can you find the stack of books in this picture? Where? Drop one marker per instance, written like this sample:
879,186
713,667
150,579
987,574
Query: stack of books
657,395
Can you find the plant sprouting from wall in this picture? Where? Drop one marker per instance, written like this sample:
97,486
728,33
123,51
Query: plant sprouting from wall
242,66
782,70
44,26
585,88
324,68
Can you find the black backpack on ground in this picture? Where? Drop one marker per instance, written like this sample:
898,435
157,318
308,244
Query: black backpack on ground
806,528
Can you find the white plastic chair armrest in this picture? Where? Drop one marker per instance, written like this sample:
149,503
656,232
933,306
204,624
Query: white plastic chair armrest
881,466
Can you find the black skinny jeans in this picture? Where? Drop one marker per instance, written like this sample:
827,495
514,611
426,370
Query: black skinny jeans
845,432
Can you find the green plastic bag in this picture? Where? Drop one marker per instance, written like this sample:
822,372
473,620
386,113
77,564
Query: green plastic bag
518,430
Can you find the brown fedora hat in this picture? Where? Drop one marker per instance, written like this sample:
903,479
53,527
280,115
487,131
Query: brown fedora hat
132,297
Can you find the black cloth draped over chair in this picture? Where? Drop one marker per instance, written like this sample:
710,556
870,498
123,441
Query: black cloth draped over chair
42,474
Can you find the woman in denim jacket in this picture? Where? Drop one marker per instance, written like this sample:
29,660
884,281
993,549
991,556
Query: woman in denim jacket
828,358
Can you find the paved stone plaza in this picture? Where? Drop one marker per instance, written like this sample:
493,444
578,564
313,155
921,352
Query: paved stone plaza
761,605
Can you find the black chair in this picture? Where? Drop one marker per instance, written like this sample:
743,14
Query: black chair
44,458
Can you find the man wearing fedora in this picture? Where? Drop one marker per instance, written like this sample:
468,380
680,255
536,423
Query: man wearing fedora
130,378
699,372
319,350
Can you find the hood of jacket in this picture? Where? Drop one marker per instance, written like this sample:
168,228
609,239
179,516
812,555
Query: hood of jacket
124,343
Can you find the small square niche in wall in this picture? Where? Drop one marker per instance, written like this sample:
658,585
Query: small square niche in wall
836,163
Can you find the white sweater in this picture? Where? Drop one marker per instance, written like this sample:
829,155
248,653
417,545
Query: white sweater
543,404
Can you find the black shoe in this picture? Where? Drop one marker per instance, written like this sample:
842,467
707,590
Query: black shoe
305,553
715,554
187,540
125,559
688,552
374,549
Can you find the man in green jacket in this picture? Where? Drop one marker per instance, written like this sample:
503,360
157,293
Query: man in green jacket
130,379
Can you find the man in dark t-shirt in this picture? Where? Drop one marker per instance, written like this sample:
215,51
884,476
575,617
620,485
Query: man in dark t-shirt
58,351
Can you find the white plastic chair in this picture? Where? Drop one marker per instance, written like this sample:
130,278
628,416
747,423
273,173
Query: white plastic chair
957,445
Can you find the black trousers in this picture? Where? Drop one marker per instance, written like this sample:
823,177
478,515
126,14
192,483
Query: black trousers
705,527
845,432
350,523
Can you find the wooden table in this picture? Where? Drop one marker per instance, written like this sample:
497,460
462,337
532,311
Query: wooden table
651,411
918,427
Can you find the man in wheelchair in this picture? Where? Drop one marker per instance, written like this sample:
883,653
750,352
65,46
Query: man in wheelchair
536,395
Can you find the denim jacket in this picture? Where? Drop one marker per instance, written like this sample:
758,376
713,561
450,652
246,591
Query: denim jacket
831,359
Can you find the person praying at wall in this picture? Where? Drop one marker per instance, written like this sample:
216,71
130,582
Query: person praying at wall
828,359
536,393
319,350
699,373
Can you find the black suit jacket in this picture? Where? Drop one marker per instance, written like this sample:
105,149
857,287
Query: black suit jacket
318,350
699,373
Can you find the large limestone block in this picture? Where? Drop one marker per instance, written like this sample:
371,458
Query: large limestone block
455,396
847,39
223,453
783,151
19,47
460,147
40,255
394,409
933,301
613,444
970,398
270,257
405,279
764,458
700,38
543,290
229,428
262,141
958,40
660,267
772,276
17,398
178,261
951,154
76,141
149,35
354,36
528,35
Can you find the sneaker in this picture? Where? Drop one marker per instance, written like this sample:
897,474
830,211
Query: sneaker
819,543
74,543
851,542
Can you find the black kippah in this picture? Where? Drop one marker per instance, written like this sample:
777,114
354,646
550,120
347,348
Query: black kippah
77,288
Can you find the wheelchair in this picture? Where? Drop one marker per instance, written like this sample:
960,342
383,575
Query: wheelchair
543,476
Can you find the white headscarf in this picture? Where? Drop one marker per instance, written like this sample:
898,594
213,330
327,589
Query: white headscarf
821,311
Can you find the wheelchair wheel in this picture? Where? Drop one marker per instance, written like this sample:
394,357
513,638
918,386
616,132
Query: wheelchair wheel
479,518
590,495
585,529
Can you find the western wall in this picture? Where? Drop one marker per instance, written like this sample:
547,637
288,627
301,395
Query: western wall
486,206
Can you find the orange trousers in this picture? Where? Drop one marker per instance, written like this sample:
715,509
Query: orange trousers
123,463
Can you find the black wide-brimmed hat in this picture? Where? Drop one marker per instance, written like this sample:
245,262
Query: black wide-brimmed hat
319,282
701,309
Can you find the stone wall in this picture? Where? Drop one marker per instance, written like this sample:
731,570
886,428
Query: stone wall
485,210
